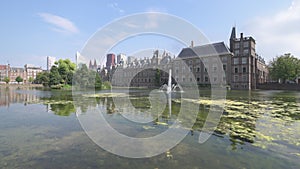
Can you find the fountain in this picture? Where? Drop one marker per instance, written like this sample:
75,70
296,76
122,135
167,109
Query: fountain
169,87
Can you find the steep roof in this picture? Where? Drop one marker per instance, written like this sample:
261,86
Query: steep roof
205,50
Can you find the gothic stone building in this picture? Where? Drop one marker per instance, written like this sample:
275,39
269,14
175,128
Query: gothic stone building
238,66
248,68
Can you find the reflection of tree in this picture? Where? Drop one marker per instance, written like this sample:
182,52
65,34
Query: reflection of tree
59,95
63,109
110,105
60,102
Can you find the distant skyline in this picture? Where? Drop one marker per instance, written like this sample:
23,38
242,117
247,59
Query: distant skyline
32,30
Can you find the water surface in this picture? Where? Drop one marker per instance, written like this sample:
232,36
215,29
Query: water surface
258,129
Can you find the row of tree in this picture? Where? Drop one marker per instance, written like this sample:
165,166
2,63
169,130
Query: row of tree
285,68
60,74
64,73
18,79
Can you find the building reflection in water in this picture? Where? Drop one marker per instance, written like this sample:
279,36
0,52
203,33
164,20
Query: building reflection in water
10,95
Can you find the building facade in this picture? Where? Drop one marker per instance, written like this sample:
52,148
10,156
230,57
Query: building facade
248,68
15,72
121,59
50,62
4,71
203,65
93,66
31,71
237,66
110,61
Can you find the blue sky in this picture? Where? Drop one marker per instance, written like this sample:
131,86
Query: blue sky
33,29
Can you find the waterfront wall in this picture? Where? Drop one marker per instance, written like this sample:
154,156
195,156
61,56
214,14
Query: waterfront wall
277,86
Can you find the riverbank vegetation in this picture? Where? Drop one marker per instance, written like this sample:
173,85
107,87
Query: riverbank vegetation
285,68
64,75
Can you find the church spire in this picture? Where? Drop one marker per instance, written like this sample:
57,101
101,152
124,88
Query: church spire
233,33
95,64
90,65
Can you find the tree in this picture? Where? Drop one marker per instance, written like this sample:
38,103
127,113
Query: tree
80,77
98,81
19,79
30,80
85,78
66,69
6,80
285,67
42,78
157,77
54,77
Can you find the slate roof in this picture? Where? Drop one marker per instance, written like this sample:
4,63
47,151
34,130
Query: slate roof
205,50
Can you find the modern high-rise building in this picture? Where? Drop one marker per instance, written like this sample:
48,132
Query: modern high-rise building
50,62
130,59
110,61
121,59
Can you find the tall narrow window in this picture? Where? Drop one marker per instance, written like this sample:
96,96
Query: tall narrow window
224,67
206,79
244,60
236,70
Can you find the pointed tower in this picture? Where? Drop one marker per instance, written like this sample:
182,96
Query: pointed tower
233,33
90,65
232,39
95,64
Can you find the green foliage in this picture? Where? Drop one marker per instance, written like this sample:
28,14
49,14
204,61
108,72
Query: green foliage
63,109
30,80
42,78
98,81
63,73
106,85
55,78
19,79
285,67
66,69
85,78
157,77
6,80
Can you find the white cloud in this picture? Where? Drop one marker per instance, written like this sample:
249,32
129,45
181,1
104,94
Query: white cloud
277,34
60,24
116,7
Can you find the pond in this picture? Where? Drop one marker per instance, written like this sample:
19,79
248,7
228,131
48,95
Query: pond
40,129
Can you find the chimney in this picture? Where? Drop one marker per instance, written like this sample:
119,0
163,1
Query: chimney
242,36
192,44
